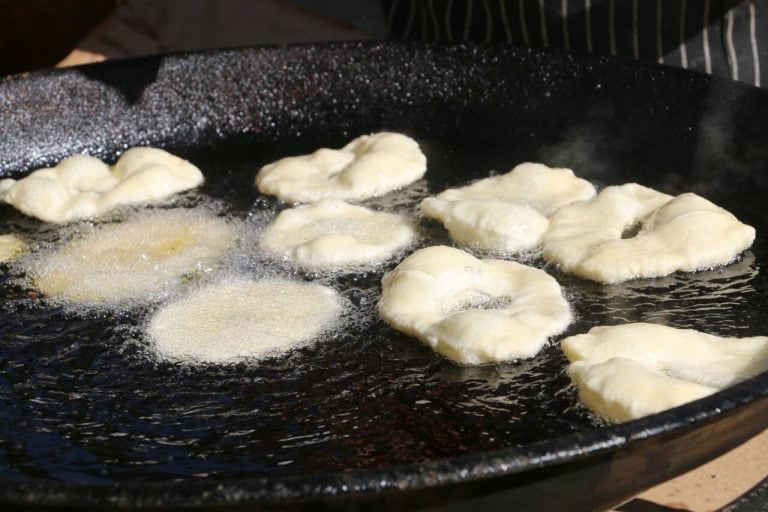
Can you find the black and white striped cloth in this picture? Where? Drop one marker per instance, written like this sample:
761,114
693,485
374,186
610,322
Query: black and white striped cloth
722,37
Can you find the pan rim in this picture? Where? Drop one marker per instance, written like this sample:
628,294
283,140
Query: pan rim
410,477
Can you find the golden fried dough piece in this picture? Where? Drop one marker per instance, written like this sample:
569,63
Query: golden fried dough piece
83,187
594,239
628,371
369,166
334,235
473,311
507,213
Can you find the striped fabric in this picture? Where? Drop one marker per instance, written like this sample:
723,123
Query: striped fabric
723,37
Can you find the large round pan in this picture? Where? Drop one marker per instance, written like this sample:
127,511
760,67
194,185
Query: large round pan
371,419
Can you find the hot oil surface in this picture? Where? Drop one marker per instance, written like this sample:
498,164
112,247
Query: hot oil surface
83,399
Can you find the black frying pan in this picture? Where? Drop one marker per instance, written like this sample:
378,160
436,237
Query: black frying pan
371,419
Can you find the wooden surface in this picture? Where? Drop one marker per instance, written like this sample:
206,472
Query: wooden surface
711,486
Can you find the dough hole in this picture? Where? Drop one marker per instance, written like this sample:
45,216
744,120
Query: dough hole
477,299
632,231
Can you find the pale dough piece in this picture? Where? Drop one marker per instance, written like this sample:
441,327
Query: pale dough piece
369,166
507,213
629,371
83,187
332,234
150,253
230,321
473,311
10,246
683,233
621,389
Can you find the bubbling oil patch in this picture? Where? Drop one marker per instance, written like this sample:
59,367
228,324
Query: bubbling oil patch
10,247
241,319
147,256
